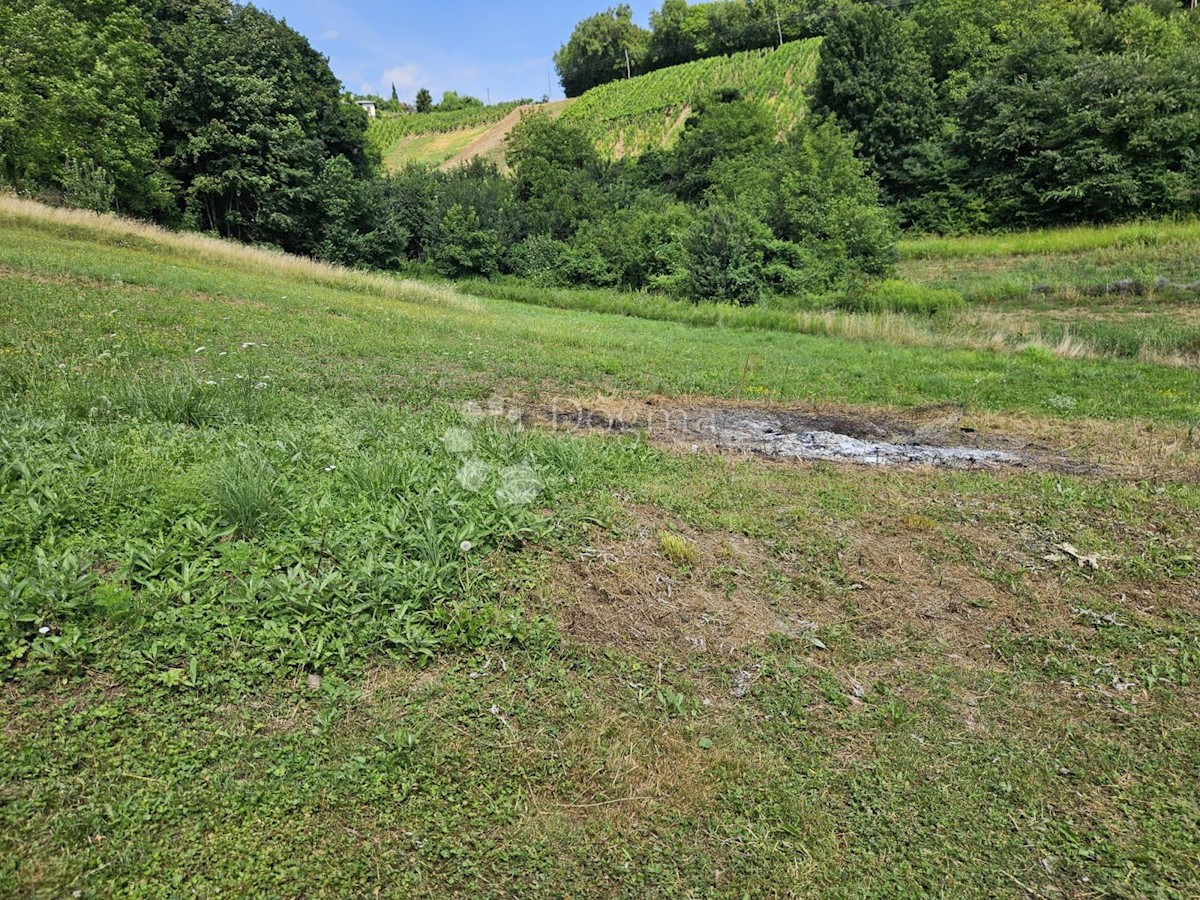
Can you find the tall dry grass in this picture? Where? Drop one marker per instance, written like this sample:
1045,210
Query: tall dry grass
204,249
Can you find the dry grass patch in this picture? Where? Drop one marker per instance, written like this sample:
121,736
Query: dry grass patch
631,594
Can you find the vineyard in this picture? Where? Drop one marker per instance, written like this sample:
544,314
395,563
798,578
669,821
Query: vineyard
627,118
384,133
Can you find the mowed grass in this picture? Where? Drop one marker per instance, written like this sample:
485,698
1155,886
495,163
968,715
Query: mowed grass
431,149
315,627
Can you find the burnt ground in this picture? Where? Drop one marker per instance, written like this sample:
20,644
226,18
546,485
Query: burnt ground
930,436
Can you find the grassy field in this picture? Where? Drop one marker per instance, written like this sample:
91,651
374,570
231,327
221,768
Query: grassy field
391,134
299,598
1124,292
431,149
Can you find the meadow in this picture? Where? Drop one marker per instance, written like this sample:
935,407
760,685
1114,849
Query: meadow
1125,291
386,131
301,595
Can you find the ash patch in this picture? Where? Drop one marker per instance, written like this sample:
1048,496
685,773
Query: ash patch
930,436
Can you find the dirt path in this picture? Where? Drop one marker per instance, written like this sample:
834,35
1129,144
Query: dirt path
490,144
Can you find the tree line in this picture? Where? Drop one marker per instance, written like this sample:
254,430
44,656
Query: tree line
610,45
728,214
971,115
199,114
1018,113
937,114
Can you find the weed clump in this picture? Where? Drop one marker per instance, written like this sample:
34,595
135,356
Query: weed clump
679,549
249,493
895,296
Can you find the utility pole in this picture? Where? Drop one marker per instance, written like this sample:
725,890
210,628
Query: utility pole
628,66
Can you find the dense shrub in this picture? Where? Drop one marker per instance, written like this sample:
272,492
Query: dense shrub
464,247
540,260
725,257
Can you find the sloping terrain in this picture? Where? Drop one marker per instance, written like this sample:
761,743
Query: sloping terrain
449,140
424,137
625,118
629,117
301,594
490,143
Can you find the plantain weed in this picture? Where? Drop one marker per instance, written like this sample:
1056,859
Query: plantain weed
248,492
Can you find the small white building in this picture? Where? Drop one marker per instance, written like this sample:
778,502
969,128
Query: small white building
368,105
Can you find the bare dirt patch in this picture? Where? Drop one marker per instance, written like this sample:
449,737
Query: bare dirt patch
630,593
932,436
491,142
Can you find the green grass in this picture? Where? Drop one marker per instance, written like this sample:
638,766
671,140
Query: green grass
1061,299
1137,235
386,132
430,149
627,118
323,621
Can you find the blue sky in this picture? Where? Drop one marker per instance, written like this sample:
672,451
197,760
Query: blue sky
470,46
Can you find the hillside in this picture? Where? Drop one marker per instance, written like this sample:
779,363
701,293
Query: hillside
449,139
627,118
432,137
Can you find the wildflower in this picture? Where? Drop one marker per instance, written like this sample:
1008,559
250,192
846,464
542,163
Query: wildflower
495,710
45,629
465,546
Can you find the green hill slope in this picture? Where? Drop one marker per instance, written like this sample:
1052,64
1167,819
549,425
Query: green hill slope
627,118
432,137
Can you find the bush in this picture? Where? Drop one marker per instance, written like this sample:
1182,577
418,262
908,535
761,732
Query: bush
540,260
897,296
464,248
88,186
724,257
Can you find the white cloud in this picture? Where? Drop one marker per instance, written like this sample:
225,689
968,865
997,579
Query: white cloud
404,77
